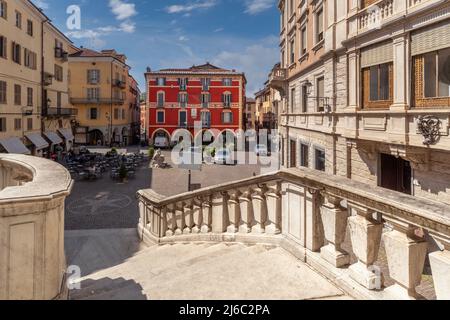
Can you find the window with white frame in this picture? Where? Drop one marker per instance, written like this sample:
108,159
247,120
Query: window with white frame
292,51
319,25
3,9
303,41
206,99
18,20
183,99
183,83
3,47
227,117
292,101
160,99
320,94
227,99
93,76
161,82
160,117
93,93
227,82
3,93
437,74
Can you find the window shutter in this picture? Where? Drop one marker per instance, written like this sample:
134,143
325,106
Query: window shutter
377,54
88,113
430,39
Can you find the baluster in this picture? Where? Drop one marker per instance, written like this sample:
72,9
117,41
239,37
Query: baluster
219,212
259,209
245,203
440,266
405,253
234,212
365,233
158,221
334,219
273,197
188,217
197,215
179,219
169,220
206,215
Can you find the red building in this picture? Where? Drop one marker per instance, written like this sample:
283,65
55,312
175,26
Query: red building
180,98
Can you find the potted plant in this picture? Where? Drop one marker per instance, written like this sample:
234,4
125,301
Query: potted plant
151,152
123,172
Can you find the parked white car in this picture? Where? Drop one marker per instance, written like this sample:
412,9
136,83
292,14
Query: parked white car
223,156
161,142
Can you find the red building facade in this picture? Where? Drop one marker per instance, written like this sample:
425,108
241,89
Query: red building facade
181,98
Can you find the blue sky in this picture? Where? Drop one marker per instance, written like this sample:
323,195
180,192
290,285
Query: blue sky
234,34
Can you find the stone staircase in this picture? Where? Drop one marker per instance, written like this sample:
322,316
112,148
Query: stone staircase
207,271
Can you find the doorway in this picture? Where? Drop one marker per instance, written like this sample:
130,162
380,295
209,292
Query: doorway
396,174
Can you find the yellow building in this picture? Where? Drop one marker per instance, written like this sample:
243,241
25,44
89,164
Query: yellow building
20,74
99,86
134,114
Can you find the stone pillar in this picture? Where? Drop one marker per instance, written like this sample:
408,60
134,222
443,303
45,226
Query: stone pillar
440,266
206,215
406,257
179,219
245,203
219,213
401,72
273,197
188,217
334,219
197,216
169,221
234,212
259,209
365,234
353,85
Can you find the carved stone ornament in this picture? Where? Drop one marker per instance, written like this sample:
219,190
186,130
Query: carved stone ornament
429,126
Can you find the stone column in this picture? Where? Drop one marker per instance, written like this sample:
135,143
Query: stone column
245,203
401,72
440,266
259,209
188,217
206,215
365,234
219,213
234,212
273,197
197,216
406,257
334,219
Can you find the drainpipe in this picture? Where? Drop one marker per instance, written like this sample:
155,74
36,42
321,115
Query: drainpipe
43,103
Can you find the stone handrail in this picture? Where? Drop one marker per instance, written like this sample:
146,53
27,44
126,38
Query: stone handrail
32,259
308,213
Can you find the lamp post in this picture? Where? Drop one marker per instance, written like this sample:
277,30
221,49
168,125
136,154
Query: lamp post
326,100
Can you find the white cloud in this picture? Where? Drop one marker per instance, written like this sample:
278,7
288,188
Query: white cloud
41,4
122,10
186,8
258,6
219,30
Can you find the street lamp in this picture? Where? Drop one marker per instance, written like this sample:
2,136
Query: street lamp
326,100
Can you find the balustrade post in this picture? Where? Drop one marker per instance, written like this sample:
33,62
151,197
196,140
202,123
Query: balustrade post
219,213
406,254
440,267
245,203
179,219
273,197
234,212
259,209
188,217
365,233
169,215
197,216
334,219
206,215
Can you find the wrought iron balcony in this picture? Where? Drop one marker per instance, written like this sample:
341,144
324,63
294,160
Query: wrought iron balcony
119,83
54,112
116,101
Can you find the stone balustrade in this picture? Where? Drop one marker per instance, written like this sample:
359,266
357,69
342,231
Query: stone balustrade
312,215
32,260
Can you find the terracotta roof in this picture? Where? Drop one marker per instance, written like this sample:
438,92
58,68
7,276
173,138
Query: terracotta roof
206,68
84,52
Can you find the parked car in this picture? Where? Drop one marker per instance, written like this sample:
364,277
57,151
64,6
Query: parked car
261,150
193,155
223,156
161,142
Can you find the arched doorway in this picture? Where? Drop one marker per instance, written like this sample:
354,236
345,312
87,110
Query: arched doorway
96,137
161,139
125,136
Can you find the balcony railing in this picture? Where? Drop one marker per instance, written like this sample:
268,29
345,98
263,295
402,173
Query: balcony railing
373,16
59,112
97,101
308,213
119,83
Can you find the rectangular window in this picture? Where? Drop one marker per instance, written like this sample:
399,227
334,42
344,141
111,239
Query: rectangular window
16,53
3,47
227,82
58,100
183,100
2,124
123,114
18,20
30,29
183,83
206,119
3,9
437,74
93,93
93,114
319,26
227,100
379,82
321,94
227,117
292,45
161,99
116,114
320,160
304,155
17,95
30,124
30,59
183,119
205,84
206,99
93,76
3,92
58,73
17,124
303,45
160,117
161,82
29,97
304,98
292,101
